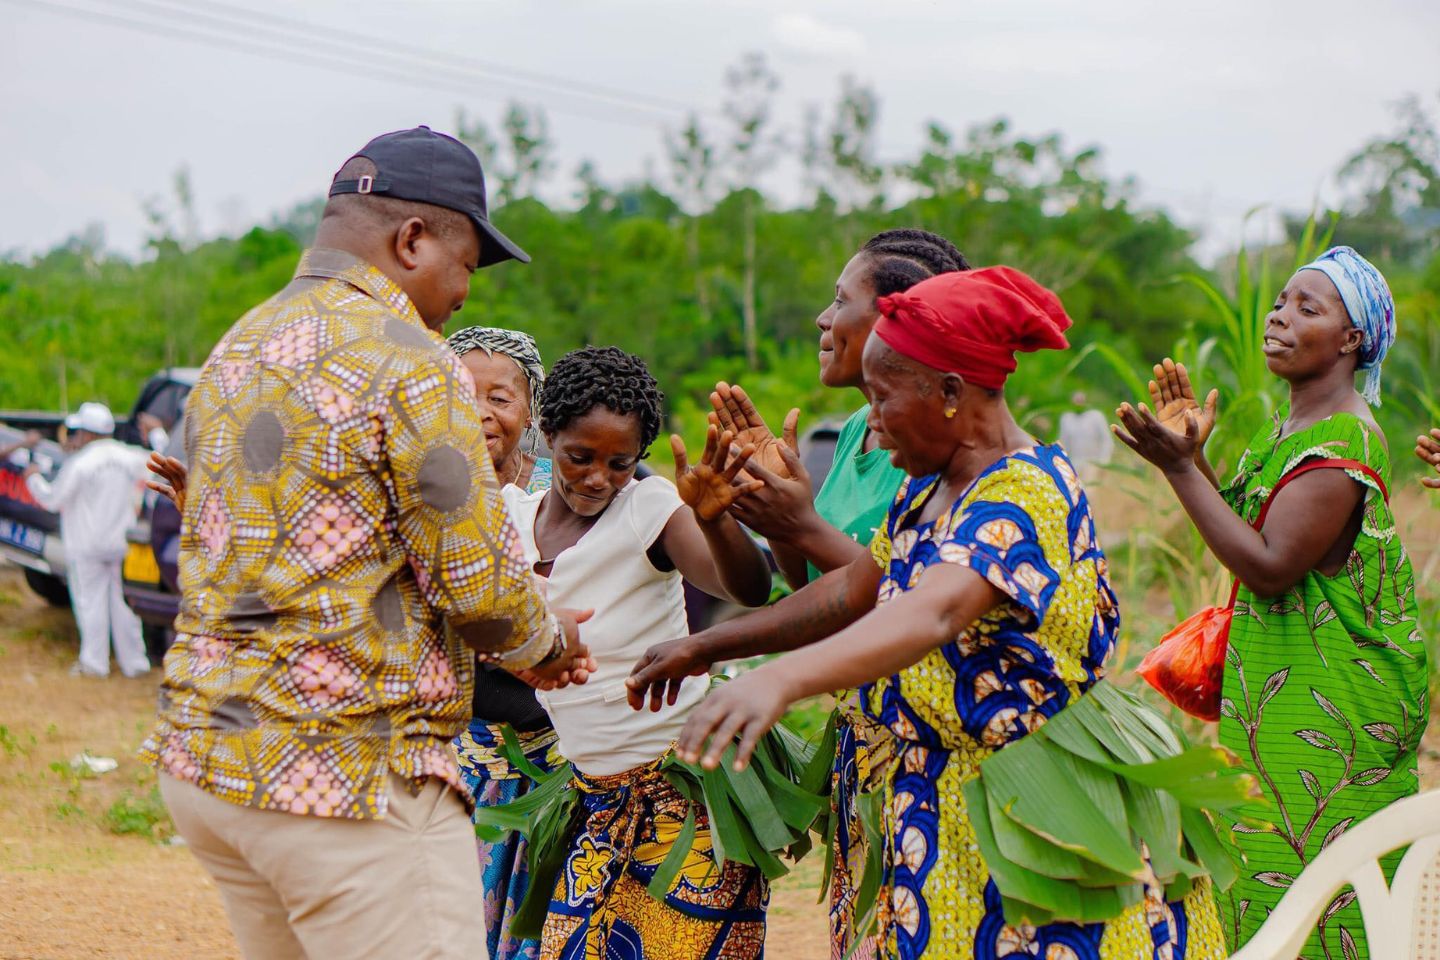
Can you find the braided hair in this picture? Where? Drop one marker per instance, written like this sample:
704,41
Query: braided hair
606,377
899,259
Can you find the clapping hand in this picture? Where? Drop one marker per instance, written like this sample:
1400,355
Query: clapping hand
787,498
734,412
1174,400
174,473
1427,448
711,486
1171,451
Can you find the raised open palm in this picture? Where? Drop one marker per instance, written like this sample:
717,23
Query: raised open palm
1173,398
734,412
710,487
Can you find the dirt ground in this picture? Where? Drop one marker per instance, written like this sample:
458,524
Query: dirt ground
70,887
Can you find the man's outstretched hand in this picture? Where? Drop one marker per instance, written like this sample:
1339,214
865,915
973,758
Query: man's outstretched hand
574,664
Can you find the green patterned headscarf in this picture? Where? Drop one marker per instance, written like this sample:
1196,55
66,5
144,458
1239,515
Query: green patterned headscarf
516,345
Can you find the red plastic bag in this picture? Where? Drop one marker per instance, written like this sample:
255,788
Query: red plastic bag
1188,666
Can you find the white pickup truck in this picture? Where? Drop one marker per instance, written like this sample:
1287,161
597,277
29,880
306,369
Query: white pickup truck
30,534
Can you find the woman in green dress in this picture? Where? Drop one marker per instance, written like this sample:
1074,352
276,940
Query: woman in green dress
1325,677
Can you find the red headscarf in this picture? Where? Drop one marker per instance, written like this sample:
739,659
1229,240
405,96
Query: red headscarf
973,322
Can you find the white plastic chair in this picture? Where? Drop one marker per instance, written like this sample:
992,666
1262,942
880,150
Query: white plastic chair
1395,915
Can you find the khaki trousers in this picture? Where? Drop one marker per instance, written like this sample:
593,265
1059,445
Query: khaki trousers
309,888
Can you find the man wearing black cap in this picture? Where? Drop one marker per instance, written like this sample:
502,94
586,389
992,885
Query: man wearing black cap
340,505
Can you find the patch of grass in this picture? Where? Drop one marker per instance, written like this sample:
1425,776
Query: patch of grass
142,816
16,744
71,778
66,810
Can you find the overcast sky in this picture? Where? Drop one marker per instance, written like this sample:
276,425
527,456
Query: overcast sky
1214,107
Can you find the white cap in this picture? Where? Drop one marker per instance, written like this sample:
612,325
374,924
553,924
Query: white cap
94,418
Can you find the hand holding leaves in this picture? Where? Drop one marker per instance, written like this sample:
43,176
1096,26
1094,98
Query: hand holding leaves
711,486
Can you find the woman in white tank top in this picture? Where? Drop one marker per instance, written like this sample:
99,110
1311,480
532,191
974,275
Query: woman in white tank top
607,542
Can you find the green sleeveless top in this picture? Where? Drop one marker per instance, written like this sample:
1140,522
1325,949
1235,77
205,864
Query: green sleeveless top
859,488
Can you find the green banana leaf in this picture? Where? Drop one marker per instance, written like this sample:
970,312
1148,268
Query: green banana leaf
1063,816
757,816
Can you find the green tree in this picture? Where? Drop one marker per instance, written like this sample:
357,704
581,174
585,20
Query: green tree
754,146
517,165
1394,211
692,174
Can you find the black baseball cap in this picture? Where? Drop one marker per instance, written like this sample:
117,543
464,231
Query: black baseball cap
428,167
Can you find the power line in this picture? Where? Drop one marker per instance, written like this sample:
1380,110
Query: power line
306,36
500,70
294,50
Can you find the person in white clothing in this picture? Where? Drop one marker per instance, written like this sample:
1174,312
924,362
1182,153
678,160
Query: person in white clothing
1085,435
621,547
96,493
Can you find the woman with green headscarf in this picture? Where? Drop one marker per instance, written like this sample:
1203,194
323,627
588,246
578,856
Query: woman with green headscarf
508,375
1324,690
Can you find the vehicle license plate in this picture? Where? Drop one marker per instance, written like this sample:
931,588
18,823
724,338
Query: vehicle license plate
140,566
22,536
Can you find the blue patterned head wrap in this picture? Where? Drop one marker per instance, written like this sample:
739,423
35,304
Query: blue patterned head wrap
1367,299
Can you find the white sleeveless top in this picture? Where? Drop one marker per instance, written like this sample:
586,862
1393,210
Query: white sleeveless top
635,606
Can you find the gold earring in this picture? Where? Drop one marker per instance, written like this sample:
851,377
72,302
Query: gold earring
949,412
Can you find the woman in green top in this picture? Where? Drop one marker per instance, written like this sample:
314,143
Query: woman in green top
811,534
1325,679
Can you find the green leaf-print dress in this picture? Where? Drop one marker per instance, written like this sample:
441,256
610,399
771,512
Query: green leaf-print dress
1325,689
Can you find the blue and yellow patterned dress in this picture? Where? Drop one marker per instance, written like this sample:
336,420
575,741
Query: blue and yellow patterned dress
1024,525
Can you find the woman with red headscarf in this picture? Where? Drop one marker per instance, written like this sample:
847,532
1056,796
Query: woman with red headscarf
994,613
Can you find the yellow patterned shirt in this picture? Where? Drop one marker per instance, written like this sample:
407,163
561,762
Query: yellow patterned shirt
341,510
